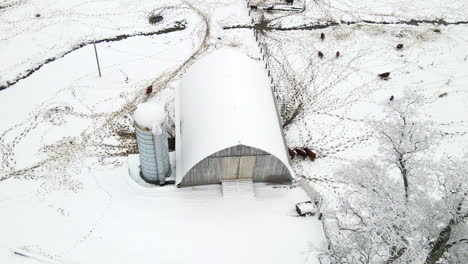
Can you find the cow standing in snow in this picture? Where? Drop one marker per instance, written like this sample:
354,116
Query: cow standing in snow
384,76
292,154
149,90
301,153
312,156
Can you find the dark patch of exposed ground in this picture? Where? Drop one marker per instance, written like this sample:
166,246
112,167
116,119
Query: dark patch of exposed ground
11,4
117,124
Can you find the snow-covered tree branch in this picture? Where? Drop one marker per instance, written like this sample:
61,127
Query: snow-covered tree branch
405,205
404,135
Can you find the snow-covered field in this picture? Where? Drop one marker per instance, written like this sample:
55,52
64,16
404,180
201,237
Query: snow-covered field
65,133
113,219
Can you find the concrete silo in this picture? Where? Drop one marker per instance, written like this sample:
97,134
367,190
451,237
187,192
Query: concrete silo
151,131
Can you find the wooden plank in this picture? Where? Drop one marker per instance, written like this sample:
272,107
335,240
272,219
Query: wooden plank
246,167
268,168
229,168
205,172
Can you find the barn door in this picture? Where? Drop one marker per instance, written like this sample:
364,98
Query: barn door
246,167
229,168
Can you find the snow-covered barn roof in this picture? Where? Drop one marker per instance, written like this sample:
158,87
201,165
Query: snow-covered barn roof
225,100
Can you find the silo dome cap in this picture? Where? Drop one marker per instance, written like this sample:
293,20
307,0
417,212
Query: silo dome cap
148,114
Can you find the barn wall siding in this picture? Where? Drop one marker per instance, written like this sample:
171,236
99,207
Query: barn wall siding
207,171
268,168
246,167
260,165
239,150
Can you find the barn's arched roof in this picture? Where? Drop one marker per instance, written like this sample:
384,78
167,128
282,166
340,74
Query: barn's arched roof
225,100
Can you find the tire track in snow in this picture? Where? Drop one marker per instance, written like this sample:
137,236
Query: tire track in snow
323,98
65,154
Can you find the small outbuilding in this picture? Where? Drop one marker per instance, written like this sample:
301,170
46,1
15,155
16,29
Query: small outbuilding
227,123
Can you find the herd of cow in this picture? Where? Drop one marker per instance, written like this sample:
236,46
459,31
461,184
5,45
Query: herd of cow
320,54
304,153
383,76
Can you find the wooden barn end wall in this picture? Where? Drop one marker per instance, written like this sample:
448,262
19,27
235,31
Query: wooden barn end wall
210,170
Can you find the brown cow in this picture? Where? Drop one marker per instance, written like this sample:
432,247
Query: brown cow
311,154
291,153
301,153
337,54
322,36
320,54
149,90
384,75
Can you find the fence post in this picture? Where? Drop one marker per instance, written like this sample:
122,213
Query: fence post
97,59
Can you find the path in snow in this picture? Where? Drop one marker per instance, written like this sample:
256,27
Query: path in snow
71,123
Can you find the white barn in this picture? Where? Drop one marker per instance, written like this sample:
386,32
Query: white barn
227,124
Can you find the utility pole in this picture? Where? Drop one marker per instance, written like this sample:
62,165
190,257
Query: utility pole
97,59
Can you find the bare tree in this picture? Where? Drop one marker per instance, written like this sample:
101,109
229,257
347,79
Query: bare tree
375,220
404,135
452,179
372,216
375,223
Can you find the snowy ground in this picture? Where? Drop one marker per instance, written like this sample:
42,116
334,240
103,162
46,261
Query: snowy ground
66,196
116,220
65,133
